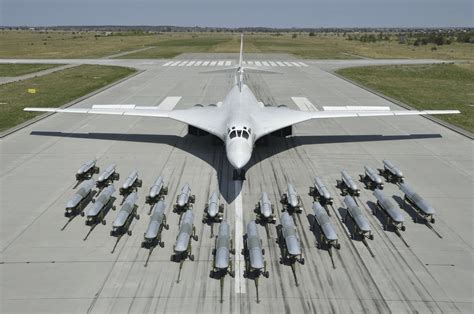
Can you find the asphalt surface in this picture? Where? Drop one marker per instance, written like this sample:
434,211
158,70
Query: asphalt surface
44,269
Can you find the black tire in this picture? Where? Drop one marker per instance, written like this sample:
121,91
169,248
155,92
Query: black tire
129,232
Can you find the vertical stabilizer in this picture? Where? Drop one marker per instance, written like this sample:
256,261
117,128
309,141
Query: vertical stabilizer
241,49
241,69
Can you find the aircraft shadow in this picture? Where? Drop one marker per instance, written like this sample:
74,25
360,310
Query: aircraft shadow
214,155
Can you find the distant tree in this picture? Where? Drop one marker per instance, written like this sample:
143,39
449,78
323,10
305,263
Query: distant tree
294,35
434,48
311,34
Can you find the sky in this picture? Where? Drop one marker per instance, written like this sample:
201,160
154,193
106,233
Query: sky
245,13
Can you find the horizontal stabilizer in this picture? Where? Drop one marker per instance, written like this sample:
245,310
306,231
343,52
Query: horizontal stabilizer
258,70
225,70
356,108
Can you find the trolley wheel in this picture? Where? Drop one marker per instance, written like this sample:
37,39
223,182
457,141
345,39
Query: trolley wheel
403,228
103,222
432,220
191,257
371,237
129,232
162,244
82,214
338,246
137,216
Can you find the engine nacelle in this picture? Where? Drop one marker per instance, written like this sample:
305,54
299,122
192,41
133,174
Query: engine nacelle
286,131
196,131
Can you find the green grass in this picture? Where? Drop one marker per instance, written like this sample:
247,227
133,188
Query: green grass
439,86
10,70
53,90
59,44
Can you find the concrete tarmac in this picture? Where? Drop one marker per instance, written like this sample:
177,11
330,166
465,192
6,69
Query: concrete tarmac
44,269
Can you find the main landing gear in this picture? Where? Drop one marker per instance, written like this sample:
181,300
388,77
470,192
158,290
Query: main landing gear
239,174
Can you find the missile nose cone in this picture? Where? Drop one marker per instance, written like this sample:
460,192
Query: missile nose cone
181,202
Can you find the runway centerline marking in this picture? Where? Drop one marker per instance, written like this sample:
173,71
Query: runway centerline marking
239,263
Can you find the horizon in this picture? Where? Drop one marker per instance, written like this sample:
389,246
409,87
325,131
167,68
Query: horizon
227,14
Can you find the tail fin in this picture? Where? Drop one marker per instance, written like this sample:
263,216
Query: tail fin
241,49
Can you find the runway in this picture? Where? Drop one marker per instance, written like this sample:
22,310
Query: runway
44,269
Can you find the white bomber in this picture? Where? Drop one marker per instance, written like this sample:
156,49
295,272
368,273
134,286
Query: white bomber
241,119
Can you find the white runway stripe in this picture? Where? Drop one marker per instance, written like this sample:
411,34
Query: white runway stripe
167,63
257,63
169,103
303,64
280,63
239,286
205,63
250,62
197,63
190,63
175,63
213,63
296,63
288,64
265,63
273,64
183,63
228,63
304,104
220,63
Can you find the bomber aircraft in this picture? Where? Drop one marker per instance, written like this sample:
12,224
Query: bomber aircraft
240,120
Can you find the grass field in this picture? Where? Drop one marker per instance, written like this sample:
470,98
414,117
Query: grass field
56,44
7,70
53,90
438,86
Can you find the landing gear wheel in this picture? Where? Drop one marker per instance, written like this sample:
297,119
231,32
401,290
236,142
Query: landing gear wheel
129,232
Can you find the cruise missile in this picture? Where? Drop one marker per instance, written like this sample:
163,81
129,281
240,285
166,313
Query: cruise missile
253,253
264,210
222,265
292,243
394,216
347,185
152,236
320,193
80,199
328,236
361,222
131,183
213,209
391,172
182,248
371,179
96,211
157,191
213,212
422,207
328,233
184,200
125,216
291,200
289,243
87,170
107,177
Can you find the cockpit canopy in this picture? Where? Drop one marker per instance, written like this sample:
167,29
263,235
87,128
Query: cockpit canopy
244,132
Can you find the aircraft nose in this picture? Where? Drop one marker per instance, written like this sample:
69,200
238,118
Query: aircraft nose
238,153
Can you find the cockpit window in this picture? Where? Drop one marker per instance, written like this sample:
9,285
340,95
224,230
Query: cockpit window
245,135
232,134
239,133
